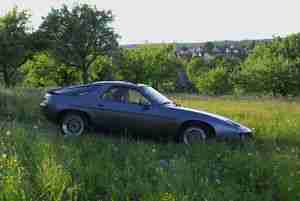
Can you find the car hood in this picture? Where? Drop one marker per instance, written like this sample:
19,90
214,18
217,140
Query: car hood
209,118
199,112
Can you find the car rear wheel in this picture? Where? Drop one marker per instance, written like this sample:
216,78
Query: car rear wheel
73,124
194,135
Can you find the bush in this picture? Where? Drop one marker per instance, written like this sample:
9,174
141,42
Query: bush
215,82
195,68
272,69
43,71
104,69
279,78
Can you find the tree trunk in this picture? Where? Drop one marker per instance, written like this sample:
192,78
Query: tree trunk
6,78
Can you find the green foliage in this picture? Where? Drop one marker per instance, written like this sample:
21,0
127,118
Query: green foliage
154,65
196,67
14,44
104,69
213,77
43,71
133,64
231,64
215,82
78,36
273,68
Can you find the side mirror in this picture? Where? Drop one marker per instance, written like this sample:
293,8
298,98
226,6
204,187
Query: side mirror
144,104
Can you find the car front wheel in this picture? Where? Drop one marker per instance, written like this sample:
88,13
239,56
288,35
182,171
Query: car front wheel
73,124
194,135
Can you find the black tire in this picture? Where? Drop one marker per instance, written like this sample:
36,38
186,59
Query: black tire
195,134
73,124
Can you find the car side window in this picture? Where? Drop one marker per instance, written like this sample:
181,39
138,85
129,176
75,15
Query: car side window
117,94
125,95
135,97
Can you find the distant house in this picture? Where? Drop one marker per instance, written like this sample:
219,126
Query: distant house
229,49
217,51
236,51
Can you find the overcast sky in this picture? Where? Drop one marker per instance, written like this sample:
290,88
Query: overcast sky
138,21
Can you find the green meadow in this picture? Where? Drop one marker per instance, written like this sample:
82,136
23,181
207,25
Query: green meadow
37,164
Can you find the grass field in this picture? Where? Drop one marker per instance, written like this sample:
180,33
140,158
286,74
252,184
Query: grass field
36,164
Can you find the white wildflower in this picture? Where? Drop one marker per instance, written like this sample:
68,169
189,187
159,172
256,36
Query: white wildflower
8,133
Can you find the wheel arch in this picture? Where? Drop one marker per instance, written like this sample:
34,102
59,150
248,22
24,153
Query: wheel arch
188,123
62,113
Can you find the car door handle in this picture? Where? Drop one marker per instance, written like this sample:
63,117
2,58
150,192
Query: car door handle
100,105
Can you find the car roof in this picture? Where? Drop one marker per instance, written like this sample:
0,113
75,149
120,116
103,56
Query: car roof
110,83
119,83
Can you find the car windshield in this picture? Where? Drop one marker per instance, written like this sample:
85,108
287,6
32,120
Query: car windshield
156,96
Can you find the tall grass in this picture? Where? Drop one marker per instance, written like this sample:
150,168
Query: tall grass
37,164
20,104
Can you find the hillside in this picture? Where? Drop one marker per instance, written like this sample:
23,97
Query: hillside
242,43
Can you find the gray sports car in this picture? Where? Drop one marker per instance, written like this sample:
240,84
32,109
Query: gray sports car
135,108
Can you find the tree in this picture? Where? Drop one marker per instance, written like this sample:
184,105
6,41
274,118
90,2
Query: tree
161,68
104,69
150,64
14,44
132,65
196,68
229,63
78,36
42,71
215,82
273,68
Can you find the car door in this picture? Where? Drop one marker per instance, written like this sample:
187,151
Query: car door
138,110
109,113
148,119
126,108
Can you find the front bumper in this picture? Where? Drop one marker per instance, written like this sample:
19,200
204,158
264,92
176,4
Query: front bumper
229,132
245,133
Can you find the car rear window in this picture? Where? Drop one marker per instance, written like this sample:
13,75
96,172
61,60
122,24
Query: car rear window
74,91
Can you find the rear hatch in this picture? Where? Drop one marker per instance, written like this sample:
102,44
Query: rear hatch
72,90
